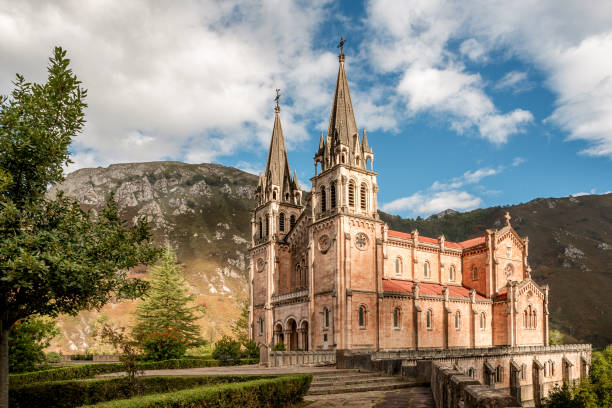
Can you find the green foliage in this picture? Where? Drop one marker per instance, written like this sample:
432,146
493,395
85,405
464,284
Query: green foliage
279,347
53,357
91,370
270,392
601,375
226,349
251,349
166,325
555,337
71,393
240,328
28,339
128,355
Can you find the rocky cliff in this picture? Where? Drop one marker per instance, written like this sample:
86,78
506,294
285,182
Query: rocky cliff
203,211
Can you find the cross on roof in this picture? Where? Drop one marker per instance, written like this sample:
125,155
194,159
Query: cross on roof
341,45
277,97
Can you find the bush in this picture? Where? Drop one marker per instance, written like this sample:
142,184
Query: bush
53,357
81,357
27,341
164,345
72,393
279,347
226,349
92,370
269,392
251,349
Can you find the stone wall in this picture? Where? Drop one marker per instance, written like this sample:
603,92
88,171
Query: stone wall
297,358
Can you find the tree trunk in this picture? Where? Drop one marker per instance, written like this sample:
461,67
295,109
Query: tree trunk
4,366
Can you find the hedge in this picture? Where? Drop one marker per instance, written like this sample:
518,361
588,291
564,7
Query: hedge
74,393
272,392
92,370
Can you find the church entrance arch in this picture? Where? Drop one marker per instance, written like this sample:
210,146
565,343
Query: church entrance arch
291,335
279,336
303,336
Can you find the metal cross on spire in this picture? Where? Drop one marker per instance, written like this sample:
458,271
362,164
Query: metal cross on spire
341,45
277,98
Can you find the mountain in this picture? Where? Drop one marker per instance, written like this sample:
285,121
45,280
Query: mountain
203,210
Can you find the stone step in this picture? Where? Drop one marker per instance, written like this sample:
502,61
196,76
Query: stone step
332,373
342,377
386,386
351,381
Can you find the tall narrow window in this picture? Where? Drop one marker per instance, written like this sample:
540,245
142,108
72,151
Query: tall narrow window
274,195
426,269
534,320
428,318
525,318
474,273
292,221
483,321
261,325
323,199
398,265
396,317
363,196
281,222
451,274
362,316
457,320
260,229
499,374
326,317
351,194
332,194
267,225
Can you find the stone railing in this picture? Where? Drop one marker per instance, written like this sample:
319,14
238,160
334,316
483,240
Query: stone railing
451,388
300,358
289,296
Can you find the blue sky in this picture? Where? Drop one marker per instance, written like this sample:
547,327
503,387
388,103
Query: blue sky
467,104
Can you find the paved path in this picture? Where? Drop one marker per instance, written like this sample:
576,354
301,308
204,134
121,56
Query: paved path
237,370
415,397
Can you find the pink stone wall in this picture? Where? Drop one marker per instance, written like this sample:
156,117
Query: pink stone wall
500,324
477,259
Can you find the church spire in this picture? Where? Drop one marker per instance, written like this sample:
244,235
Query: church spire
277,178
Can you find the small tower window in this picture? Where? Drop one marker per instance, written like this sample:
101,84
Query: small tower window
457,320
471,373
451,273
274,195
499,374
281,222
292,221
362,316
351,194
267,225
323,199
398,265
396,317
474,272
261,326
326,317
483,321
332,194
260,229
426,270
428,319
363,196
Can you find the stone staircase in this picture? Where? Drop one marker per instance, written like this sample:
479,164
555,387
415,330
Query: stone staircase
347,381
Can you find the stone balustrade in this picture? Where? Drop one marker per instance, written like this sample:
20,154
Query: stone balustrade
289,296
299,358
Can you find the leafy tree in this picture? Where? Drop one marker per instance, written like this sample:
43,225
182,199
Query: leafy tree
27,341
128,350
240,327
165,309
555,337
53,257
226,349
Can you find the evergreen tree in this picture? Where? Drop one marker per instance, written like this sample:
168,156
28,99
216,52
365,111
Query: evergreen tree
165,310
53,257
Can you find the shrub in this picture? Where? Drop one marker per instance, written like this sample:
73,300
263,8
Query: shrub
73,393
226,349
164,345
27,341
251,349
279,347
53,357
269,392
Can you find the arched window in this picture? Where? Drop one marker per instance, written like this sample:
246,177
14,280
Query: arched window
457,320
362,316
323,199
351,194
534,319
260,229
398,265
325,317
483,321
471,373
267,225
363,196
281,222
396,317
525,318
332,194
429,319
523,372
474,272
261,324
286,196
298,274
552,368
426,269
292,221
343,158
451,273
499,374
274,195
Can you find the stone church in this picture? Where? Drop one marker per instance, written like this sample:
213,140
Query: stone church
326,273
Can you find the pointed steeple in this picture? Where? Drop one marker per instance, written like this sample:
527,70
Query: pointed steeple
342,123
364,143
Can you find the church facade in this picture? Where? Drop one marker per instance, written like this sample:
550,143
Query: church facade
326,273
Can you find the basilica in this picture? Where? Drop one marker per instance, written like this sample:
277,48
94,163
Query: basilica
327,274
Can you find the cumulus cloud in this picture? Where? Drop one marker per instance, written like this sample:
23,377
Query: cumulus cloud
420,203
566,41
514,80
469,177
193,82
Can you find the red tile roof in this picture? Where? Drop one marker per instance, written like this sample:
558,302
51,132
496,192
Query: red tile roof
459,245
394,285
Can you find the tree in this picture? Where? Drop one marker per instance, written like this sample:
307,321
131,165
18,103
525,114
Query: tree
53,257
164,316
27,342
240,327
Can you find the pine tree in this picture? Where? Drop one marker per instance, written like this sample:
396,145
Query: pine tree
166,306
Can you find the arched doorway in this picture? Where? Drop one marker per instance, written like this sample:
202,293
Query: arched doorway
279,336
291,335
303,332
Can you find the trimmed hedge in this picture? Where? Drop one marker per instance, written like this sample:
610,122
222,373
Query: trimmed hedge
92,370
74,393
272,392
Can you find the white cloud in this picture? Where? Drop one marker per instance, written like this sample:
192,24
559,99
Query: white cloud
425,204
253,168
518,161
513,80
469,177
566,41
591,191
193,82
